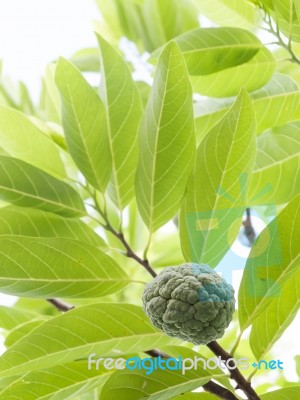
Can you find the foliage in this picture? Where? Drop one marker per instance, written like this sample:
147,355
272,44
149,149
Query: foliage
99,186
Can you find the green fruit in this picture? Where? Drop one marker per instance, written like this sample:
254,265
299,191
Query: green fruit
190,302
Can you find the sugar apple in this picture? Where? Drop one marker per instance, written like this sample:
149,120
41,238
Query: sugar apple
190,302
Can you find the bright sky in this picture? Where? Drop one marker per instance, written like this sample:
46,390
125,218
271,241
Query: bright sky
35,32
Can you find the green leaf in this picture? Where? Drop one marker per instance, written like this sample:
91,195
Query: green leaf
238,13
109,25
215,201
164,20
38,223
52,97
87,60
165,250
285,66
22,330
61,382
269,292
105,329
161,384
297,361
275,104
123,108
40,306
271,324
289,9
144,90
278,157
268,4
149,23
251,76
56,267
84,125
197,396
167,141
10,317
288,393
209,50
20,138
287,15
25,99
185,352
26,186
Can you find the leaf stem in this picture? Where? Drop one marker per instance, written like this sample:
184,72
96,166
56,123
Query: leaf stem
281,42
147,247
251,375
236,345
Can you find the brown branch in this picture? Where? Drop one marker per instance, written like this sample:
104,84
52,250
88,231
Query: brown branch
129,252
157,353
235,374
210,386
60,305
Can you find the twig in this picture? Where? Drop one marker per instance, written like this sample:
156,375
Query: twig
60,305
235,374
276,33
236,345
157,353
129,252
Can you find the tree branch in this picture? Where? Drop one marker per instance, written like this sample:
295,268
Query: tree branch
157,353
235,374
60,305
129,252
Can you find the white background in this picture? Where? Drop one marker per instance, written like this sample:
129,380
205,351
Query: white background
35,32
